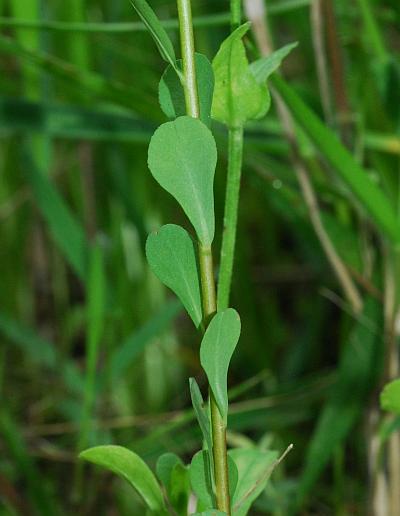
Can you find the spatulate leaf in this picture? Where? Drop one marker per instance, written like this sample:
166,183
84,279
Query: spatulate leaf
182,158
171,255
132,468
217,347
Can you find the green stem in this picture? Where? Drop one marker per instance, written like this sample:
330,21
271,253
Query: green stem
230,215
236,13
205,261
189,67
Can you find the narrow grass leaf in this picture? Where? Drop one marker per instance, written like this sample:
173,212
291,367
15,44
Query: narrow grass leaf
217,347
172,96
132,468
64,227
171,254
182,158
135,343
265,66
72,122
41,352
238,97
390,397
157,32
372,199
357,372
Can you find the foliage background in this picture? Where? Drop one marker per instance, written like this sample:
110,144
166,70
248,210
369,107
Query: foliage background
93,348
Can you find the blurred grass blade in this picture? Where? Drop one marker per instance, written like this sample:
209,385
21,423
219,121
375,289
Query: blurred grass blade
85,81
125,355
96,292
356,376
40,351
372,199
72,122
65,229
16,447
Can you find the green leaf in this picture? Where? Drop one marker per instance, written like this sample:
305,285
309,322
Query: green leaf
373,200
172,257
172,96
212,512
390,397
357,374
201,480
255,467
175,477
165,464
132,468
202,418
157,32
182,158
264,67
238,97
217,347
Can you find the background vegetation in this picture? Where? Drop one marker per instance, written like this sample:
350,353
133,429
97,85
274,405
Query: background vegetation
95,350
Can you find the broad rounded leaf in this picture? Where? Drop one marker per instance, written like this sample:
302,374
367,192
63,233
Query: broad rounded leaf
390,397
238,97
182,158
132,468
175,477
172,96
255,467
217,347
172,257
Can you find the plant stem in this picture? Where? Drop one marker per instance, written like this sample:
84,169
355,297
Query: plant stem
205,261
230,215
189,67
236,13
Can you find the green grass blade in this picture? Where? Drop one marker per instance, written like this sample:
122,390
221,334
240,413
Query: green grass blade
65,229
357,372
135,343
372,199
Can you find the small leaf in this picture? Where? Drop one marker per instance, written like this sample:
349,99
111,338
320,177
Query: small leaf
217,347
201,480
175,477
157,32
264,67
238,97
172,257
211,512
165,464
132,468
390,397
171,94
254,467
202,418
182,158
